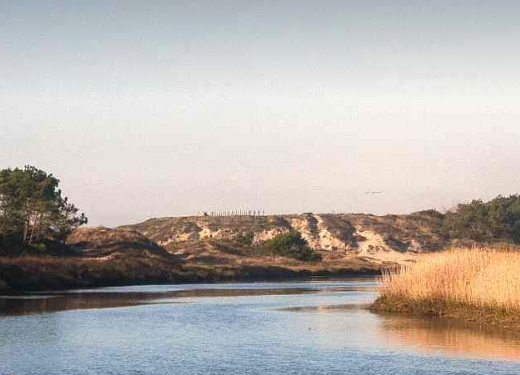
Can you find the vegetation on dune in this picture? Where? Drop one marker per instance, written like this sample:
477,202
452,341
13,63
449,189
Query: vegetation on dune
33,210
288,245
292,245
480,284
245,238
496,220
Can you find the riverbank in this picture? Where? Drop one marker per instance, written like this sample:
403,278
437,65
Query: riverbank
32,273
481,285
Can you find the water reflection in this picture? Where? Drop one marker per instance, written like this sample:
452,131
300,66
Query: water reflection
449,336
328,309
39,303
345,325
47,304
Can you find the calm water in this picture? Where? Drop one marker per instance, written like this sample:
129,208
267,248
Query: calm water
254,328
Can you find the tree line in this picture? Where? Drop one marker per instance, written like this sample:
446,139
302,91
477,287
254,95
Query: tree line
496,220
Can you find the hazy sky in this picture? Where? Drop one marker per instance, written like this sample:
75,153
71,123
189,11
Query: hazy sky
162,108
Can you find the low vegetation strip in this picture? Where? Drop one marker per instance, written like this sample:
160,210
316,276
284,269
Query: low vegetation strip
478,284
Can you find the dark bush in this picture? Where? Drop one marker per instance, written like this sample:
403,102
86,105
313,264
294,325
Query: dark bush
291,245
246,238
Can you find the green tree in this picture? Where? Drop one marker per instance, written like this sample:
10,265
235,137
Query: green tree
32,207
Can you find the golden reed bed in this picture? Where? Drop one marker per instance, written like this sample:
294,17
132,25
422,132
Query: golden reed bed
481,284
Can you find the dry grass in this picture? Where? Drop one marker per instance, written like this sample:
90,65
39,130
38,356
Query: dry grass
52,272
45,263
458,282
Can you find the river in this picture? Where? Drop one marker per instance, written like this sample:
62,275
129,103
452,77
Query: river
304,327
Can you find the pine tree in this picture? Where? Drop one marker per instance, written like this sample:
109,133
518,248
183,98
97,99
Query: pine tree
32,207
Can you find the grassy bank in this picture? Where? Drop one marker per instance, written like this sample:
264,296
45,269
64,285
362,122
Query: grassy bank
30,273
479,284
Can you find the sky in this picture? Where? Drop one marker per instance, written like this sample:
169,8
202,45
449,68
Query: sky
167,108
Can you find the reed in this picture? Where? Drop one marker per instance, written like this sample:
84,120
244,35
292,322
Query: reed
480,284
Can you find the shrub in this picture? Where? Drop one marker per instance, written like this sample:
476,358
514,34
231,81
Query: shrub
292,245
246,238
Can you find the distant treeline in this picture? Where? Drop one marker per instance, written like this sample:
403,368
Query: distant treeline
496,220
